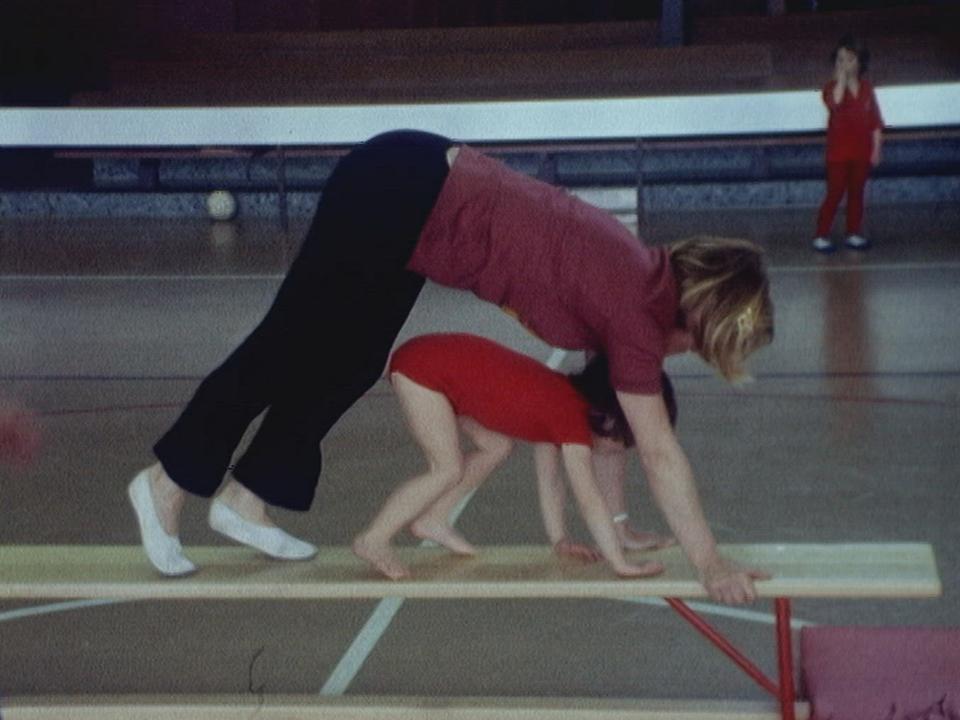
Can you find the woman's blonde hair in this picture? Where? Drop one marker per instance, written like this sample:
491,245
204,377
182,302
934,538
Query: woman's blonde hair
724,298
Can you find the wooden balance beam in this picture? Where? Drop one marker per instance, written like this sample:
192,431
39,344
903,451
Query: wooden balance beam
121,572
901,570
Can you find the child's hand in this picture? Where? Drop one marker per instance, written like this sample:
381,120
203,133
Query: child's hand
569,548
841,72
629,570
729,583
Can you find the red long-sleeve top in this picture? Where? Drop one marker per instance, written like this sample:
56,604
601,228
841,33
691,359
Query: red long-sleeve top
852,122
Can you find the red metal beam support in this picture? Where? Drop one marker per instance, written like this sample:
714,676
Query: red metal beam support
787,694
708,631
785,691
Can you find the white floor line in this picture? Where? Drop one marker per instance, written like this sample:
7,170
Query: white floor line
53,608
368,637
361,647
366,640
723,611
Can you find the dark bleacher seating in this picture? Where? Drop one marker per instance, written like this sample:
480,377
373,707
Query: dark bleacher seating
726,54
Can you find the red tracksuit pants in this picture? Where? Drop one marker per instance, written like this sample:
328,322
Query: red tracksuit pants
848,177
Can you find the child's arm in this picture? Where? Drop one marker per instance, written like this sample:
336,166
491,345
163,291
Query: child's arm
842,80
553,500
877,128
839,88
877,145
610,470
671,481
550,490
578,461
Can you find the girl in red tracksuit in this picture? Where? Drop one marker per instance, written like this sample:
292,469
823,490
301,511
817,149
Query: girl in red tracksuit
853,142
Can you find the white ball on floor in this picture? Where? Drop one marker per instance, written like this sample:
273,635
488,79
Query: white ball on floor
221,205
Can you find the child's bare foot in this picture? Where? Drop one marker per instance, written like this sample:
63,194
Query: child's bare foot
632,539
442,534
381,556
647,569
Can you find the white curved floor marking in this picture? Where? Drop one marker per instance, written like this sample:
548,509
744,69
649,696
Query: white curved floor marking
52,608
723,611
366,640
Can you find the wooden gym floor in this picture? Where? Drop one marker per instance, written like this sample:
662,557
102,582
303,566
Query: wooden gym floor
848,434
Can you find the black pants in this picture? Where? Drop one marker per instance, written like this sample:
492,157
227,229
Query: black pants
327,336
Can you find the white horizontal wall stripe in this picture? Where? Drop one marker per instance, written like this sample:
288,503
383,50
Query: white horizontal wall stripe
905,106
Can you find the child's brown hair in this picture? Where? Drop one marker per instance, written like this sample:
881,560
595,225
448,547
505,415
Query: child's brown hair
605,416
857,47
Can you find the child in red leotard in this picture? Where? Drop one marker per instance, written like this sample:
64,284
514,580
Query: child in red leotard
854,136
496,394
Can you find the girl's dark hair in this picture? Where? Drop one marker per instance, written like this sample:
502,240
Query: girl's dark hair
605,416
857,47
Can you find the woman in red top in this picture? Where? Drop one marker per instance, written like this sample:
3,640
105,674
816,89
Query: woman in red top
495,394
853,142
409,206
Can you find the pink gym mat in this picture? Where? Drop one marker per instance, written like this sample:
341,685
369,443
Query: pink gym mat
869,673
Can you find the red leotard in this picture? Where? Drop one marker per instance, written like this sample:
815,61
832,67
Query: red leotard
501,389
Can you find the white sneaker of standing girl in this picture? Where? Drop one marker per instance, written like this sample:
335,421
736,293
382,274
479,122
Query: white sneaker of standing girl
823,245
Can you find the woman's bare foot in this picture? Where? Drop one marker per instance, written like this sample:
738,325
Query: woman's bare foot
381,556
245,504
443,534
168,499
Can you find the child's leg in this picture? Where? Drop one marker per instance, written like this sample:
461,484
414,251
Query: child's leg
492,449
836,185
434,426
856,183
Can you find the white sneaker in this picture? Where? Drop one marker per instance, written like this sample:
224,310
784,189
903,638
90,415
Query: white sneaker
269,540
824,245
164,551
856,242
